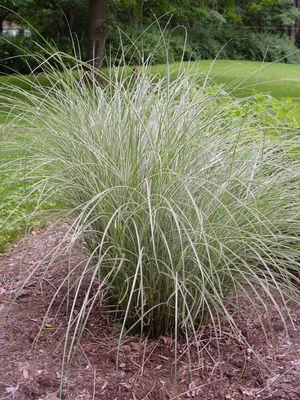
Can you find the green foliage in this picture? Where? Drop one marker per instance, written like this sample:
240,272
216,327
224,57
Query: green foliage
244,29
249,29
275,114
132,45
261,15
14,54
202,43
244,44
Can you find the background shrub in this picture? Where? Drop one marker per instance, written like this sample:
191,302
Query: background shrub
23,55
202,42
13,52
246,28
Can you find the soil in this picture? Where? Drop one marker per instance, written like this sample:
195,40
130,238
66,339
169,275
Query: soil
267,366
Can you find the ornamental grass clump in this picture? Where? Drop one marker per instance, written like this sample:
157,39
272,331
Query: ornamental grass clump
180,198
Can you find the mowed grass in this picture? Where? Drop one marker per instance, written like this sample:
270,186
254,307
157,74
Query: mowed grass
12,188
240,78
243,78
15,207
23,82
16,202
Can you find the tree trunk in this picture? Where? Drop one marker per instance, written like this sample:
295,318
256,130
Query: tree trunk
96,32
297,26
286,31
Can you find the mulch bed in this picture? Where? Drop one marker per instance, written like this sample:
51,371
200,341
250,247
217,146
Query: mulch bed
267,367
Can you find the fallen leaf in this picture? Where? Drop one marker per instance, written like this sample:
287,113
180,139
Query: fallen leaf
48,325
135,346
166,340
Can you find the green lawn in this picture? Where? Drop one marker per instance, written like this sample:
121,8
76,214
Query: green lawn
241,78
12,188
244,78
15,205
23,82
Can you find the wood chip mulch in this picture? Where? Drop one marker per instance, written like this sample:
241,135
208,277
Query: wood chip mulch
267,367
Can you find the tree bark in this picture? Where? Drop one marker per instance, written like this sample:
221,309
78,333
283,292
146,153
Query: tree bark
96,32
286,31
297,26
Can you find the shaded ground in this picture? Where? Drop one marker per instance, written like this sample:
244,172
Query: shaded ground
266,368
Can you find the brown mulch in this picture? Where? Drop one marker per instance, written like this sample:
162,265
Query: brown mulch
267,367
